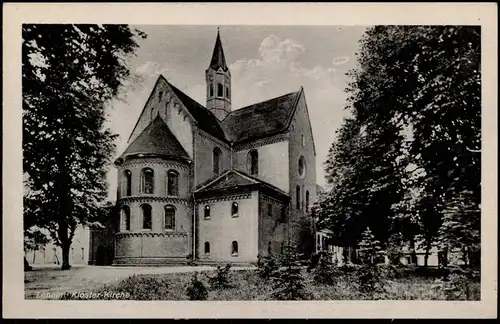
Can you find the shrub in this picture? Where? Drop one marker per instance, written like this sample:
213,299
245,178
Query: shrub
267,266
326,272
287,280
221,278
456,284
196,289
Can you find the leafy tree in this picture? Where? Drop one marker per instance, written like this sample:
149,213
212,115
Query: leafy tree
288,281
69,73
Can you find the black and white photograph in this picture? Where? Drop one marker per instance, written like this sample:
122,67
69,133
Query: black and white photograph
229,161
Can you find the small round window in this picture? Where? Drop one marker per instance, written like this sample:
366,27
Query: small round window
302,167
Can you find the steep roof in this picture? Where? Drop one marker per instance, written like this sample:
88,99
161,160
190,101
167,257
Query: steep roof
157,140
204,118
261,119
233,180
218,59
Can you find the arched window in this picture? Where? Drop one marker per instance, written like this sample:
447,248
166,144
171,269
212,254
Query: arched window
211,90
307,201
220,90
125,218
297,194
234,209
234,248
269,210
172,183
147,181
207,248
216,161
160,94
127,179
169,217
303,140
206,212
146,216
253,162
228,95
302,167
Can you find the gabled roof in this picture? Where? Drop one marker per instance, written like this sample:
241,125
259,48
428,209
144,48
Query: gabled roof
218,59
261,119
156,140
234,180
204,118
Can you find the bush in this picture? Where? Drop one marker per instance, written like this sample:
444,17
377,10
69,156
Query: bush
326,272
196,289
221,278
267,266
287,280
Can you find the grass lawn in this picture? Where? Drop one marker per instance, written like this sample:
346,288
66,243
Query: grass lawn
246,285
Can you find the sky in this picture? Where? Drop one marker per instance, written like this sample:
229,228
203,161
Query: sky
265,62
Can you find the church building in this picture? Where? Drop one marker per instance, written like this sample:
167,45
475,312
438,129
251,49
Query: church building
215,183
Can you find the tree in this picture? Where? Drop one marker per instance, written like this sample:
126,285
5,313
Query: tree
196,289
69,73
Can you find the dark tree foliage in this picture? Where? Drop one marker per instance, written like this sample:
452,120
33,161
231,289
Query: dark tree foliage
411,148
69,72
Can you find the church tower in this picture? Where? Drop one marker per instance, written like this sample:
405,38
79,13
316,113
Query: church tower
218,79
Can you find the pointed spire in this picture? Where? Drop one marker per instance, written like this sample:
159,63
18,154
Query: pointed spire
218,59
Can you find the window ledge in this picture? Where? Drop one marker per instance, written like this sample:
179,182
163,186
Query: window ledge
207,218
234,254
235,216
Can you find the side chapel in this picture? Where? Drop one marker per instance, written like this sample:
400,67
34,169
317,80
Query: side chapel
213,183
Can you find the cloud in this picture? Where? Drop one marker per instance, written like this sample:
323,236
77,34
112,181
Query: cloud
340,60
278,69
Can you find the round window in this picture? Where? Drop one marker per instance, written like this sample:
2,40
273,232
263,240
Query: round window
302,167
